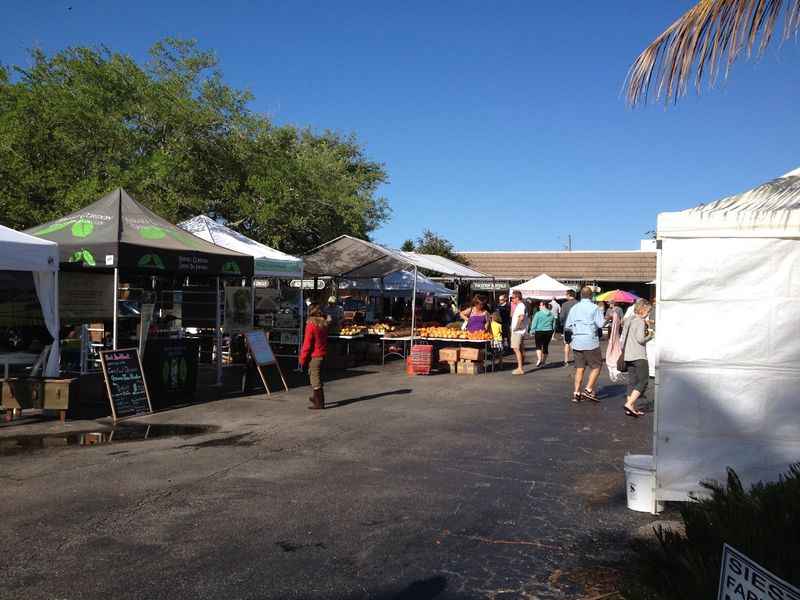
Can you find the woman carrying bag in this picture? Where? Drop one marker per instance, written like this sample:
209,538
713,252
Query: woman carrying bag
634,352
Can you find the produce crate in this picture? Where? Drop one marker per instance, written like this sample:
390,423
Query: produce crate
449,366
472,354
448,354
468,367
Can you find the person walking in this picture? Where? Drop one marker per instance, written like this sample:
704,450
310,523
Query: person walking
519,325
635,336
584,320
555,308
315,347
567,306
542,327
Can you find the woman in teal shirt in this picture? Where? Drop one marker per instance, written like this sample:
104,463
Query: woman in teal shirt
542,328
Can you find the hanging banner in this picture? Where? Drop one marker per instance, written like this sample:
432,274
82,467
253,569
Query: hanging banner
238,310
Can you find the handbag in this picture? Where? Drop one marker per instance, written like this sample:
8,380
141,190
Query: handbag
622,367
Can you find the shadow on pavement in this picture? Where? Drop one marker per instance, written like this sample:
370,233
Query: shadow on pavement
340,403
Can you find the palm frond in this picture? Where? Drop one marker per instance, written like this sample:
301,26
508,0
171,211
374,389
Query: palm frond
708,38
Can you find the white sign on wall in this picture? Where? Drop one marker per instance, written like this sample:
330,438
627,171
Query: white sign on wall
742,579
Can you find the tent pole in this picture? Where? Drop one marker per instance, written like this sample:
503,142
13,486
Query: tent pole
414,306
116,309
218,333
300,309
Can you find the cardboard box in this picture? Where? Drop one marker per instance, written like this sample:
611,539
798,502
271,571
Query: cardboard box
448,355
468,353
467,367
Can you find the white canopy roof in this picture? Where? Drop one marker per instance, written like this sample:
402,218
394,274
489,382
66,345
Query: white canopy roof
440,264
23,252
542,287
771,210
398,283
268,261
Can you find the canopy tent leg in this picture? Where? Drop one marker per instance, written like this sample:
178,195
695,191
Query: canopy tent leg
116,310
218,333
413,307
300,314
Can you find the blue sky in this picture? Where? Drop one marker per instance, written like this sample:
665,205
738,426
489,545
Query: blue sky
501,124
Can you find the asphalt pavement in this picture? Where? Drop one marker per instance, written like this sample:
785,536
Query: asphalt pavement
445,486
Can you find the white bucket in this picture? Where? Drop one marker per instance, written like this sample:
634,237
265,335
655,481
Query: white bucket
640,482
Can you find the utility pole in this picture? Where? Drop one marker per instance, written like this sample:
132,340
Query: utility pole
569,242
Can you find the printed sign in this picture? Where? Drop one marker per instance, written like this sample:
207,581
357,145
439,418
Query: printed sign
260,348
125,383
85,297
490,285
238,309
743,579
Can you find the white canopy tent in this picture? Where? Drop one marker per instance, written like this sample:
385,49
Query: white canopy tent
23,252
399,283
542,287
728,376
268,261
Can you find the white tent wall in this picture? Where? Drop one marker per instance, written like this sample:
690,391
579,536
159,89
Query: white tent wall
23,252
728,319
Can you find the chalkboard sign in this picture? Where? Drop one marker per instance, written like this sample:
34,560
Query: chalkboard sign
259,347
261,351
125,383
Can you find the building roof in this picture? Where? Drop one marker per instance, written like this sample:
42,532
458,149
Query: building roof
633,266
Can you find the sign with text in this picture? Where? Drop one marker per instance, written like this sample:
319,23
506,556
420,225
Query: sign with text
742,579
85,297
125,383
260,348
238,309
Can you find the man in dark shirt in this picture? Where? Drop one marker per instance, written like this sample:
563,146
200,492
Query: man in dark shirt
505,318
565,308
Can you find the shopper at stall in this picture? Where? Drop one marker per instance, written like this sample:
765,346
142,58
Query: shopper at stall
542,327
635,336
504,309
334,314
315,347
519,326
571,301
584,321
477,316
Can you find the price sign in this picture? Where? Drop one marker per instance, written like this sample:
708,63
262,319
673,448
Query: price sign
125,383
744,579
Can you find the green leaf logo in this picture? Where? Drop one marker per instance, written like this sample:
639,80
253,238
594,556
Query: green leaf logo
151,261
52,228
83,256
82,228
152,233
231,267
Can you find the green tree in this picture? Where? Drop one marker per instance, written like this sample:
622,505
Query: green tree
432,243
85,120
408,246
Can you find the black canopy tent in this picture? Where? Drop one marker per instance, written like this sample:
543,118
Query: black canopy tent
116,232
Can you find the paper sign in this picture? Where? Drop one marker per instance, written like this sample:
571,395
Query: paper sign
742,579
238,309
260,348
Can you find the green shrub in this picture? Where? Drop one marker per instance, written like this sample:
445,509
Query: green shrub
763,523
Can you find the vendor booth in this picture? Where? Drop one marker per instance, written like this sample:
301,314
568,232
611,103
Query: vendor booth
130,279
23,252
346,258
728,375
277,305
542,287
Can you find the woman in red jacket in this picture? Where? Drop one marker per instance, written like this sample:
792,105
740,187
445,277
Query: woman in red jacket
315,347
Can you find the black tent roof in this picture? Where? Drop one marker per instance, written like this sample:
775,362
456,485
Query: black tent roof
117,231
